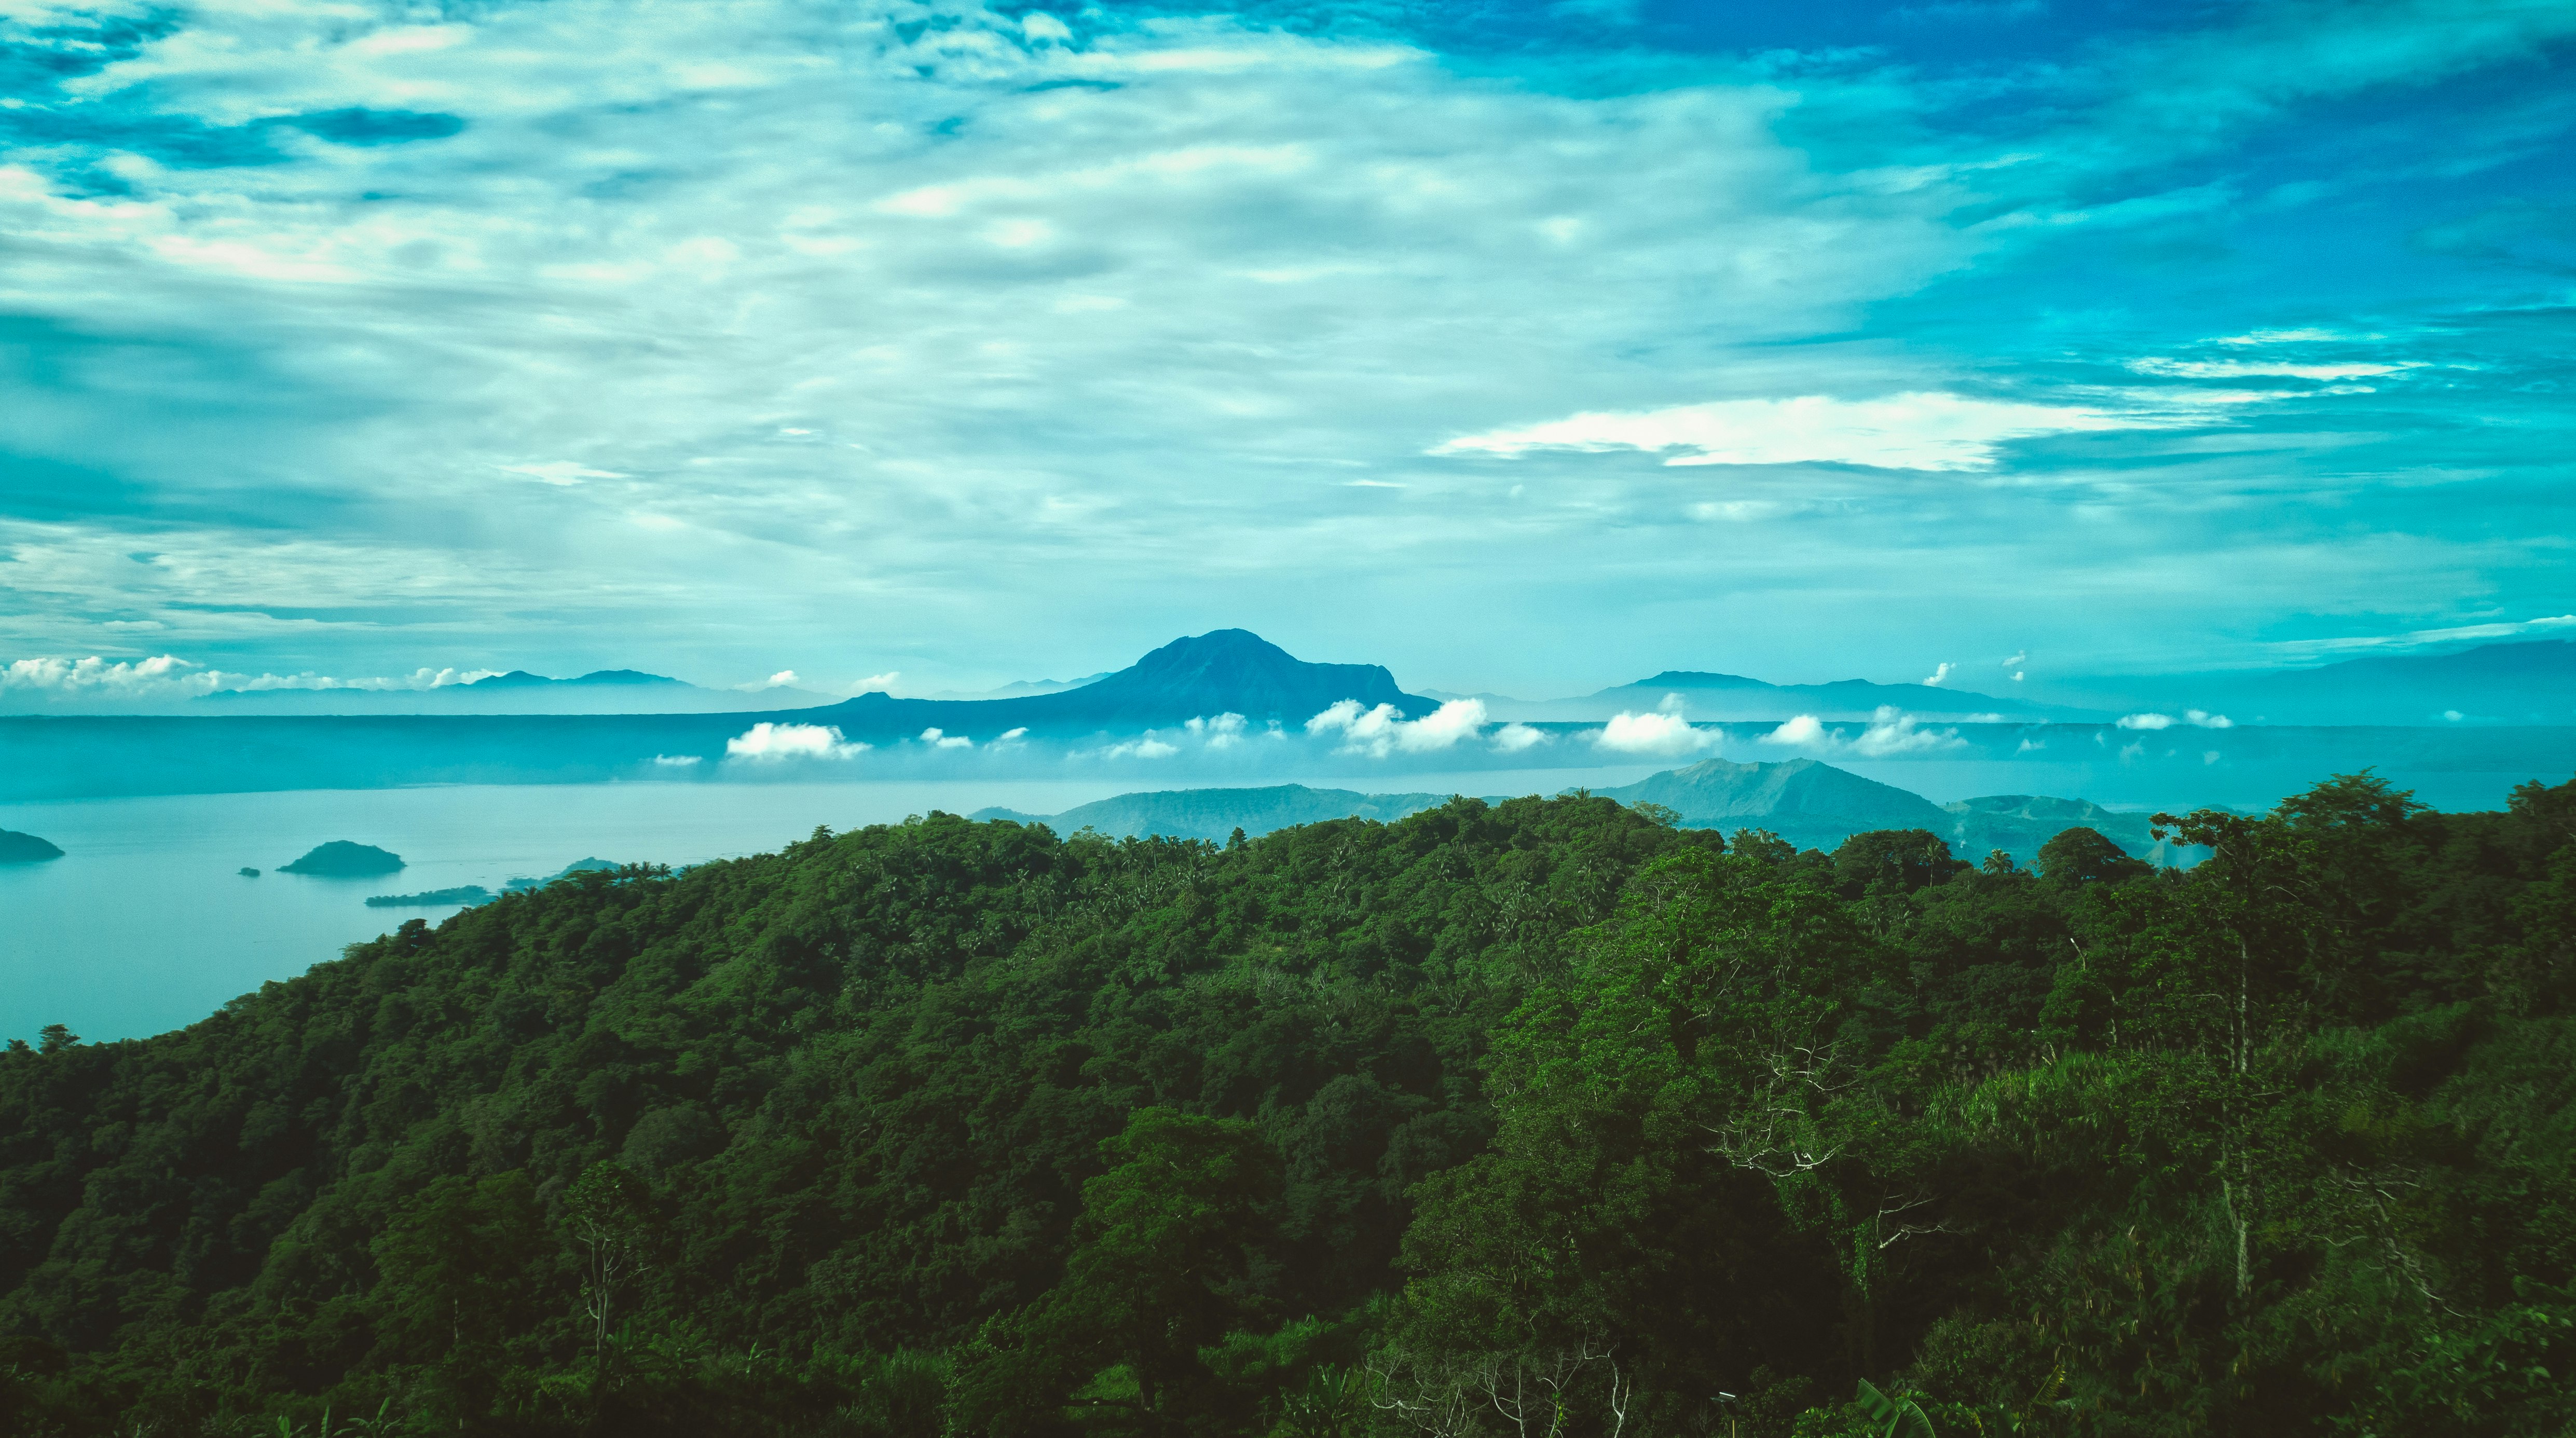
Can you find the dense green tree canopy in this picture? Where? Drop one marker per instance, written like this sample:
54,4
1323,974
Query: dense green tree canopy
1535,1117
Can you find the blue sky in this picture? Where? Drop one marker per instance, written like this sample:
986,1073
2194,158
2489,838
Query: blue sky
1528,347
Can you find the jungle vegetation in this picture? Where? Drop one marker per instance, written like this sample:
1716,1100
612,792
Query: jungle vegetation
1541,1117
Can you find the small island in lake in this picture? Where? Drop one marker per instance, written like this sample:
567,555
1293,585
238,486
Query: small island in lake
577,866
435,898
341,859
248,872
17,848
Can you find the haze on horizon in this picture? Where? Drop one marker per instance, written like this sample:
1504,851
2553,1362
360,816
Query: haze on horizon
1519,347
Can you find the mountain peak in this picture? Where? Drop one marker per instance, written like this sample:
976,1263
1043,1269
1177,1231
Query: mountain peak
1715,789
1695,679
626,676
1225,671
1237,670
522,679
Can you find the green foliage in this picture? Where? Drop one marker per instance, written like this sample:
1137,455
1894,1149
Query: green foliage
1892,1417
1532,1117
2082,856
1157,1274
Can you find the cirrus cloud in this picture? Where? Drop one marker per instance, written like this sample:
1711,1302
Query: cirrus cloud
1929,431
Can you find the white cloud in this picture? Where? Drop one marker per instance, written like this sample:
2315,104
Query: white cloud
1805,731
2421,638
1221,732
758,346
1518,738
877,683
2196,718
1664,733
2292,336
561,472
937,739
161,675
2240,369
767,742
1929,431
1248,251
1890,734
1142,747
677,761
1383,730
1939,674
169,679
782,679
1742,511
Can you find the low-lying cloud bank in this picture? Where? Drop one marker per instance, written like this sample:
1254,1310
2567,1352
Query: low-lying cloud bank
1664,734
1383,730
168,679
2196,718
770,743
1891,734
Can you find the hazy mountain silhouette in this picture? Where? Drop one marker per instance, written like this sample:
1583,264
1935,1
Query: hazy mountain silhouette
1227,671
1733,696
522,679
2529,682
1720,792
2520,683
1810,804
17,848
1217,813
1816,805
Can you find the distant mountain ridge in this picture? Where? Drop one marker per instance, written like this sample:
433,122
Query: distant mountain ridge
1720,791
2526,682
1225,671
1810,804
522,679
1022,688
17,848
1705,695
1216,813
2520,683
1815,805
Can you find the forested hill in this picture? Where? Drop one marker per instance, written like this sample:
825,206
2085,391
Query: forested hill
1535,1111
